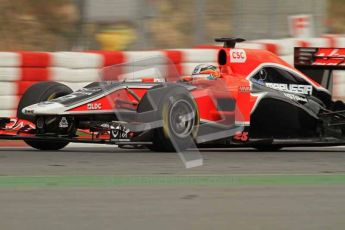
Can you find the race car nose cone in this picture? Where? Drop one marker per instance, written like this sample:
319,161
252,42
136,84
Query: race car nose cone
44,108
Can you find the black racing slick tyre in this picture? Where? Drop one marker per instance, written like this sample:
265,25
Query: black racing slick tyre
180,120
43,91
339,106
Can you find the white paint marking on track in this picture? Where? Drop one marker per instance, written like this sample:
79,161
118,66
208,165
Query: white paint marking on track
89,145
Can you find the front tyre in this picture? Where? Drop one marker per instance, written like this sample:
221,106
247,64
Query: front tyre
43,91
180,121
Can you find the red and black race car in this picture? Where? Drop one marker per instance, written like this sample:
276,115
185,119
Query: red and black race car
257,100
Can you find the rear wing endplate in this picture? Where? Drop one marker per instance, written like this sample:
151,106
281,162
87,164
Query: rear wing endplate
319,63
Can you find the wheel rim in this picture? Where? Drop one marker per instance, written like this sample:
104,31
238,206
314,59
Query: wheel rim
182,118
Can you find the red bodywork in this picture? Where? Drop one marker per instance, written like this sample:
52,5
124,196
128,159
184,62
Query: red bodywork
17,126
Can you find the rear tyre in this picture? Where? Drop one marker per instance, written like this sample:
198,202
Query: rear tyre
43,91
339,106
180,120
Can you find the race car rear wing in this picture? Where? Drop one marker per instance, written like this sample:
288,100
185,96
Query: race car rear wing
323,58
319,63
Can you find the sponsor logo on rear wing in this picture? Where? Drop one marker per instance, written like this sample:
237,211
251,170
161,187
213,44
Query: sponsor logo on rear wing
322,58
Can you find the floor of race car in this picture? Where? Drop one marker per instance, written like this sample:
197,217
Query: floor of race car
102,187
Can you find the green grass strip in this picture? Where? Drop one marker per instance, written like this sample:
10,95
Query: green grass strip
209,180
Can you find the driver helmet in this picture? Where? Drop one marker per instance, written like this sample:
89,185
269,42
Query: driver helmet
206,69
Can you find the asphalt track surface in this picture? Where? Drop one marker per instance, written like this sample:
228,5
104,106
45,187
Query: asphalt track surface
98,187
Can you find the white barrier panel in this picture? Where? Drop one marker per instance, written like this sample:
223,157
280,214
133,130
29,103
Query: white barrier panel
317,42
286,46
77,60
74,75
339,85
198,55
339,77
8,102
9,59
250,45
144,73
339,91
76,85
134,56
280,47
8,88
9,74
8,113
340,42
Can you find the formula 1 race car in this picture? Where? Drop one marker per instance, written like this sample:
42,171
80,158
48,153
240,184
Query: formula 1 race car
256,100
